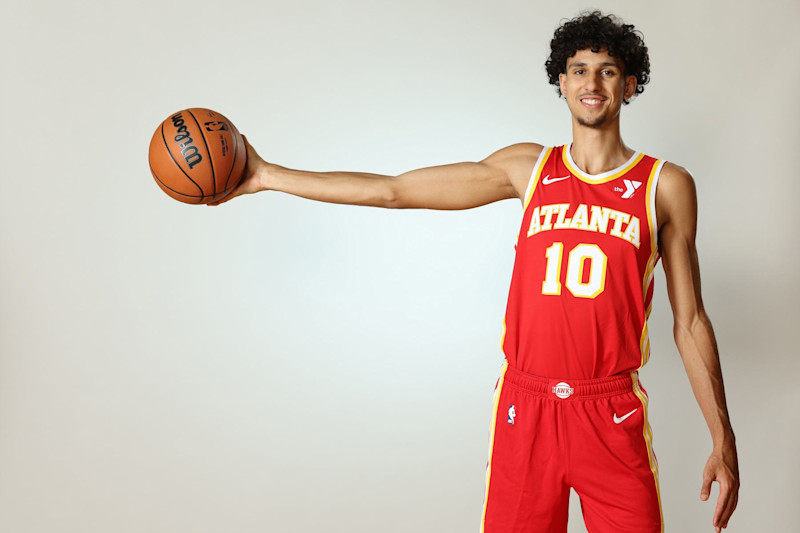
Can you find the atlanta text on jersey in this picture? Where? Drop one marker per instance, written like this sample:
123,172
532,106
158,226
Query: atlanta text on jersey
585,217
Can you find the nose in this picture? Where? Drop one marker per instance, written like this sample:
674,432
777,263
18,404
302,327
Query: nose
593,81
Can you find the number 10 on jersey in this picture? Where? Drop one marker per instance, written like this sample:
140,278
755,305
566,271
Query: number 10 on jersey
581,257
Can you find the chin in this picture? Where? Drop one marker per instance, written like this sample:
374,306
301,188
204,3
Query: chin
595,123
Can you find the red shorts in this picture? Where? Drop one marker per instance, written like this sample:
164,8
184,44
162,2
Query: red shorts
550,435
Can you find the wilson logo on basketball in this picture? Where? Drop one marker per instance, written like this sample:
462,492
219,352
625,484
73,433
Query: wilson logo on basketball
189,151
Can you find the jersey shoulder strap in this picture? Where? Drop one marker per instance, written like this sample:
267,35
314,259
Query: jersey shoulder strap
536,174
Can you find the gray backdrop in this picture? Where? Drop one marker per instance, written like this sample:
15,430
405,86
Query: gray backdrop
277,364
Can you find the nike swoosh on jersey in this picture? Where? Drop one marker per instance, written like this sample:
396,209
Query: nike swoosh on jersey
548,180
617,420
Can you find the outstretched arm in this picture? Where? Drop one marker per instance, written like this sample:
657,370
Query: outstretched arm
676,207
502,175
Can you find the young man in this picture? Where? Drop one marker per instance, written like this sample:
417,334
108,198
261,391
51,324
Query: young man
569,409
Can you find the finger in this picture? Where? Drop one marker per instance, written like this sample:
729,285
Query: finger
248,147
236,190
726,512
733,501
733,508
234,193
722,502
705,488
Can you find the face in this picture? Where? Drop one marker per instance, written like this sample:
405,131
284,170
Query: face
594,86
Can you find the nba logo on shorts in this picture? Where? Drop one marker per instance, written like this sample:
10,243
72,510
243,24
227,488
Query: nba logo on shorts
511,414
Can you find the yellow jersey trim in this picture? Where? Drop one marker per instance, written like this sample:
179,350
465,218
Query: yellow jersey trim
537,172
503,336
650,205
647,433
652,183
495,408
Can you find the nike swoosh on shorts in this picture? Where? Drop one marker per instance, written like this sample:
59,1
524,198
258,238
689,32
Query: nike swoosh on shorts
617,420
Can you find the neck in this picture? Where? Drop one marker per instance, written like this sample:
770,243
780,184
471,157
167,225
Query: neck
598,149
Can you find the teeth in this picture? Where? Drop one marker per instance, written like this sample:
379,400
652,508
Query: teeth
591,101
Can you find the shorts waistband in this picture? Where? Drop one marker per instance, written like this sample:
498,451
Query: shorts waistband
570,388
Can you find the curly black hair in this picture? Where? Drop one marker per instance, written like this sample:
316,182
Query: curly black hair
596,31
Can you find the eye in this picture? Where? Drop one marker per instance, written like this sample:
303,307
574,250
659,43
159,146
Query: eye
579,71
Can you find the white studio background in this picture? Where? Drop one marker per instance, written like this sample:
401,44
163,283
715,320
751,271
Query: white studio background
276,364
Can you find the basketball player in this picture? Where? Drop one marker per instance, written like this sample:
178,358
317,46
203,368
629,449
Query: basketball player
569,410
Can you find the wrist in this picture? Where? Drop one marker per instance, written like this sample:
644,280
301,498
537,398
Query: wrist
724,440
268,175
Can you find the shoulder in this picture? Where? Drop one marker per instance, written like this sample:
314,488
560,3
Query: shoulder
675,177
519,150
517,162
676,195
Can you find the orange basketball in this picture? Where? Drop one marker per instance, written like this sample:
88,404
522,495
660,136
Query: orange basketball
197,156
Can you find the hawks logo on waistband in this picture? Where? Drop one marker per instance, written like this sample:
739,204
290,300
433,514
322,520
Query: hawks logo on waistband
563,390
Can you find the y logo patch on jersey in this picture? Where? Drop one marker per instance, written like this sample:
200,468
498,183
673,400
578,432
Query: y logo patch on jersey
630,187
512,414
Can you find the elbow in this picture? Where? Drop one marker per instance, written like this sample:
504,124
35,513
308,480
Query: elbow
683,327
391,201
391,196
688,326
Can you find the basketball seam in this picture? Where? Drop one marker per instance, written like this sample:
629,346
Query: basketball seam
208,151
161,183
164,138
184,194
234,134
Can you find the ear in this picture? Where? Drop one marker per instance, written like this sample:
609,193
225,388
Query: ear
630,87
562,80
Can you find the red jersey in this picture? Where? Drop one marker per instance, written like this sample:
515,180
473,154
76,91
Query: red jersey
582,284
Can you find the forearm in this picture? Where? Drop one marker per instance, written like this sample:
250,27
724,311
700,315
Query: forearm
698,348
355,188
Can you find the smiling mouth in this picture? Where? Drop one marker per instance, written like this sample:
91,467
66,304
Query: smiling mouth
592,101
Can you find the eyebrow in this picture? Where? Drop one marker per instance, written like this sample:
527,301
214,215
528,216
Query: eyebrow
603,64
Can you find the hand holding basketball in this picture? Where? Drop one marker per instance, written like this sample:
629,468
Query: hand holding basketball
251,179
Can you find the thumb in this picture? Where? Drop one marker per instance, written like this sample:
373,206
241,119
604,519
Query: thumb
705,489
